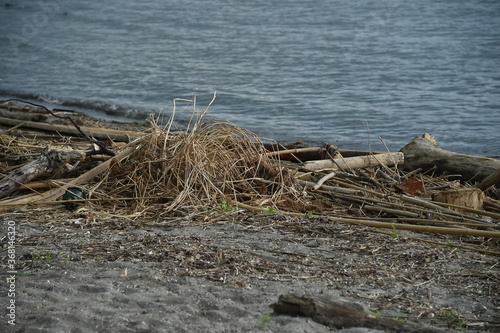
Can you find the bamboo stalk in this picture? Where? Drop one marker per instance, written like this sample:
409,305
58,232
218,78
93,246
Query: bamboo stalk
468,209
385,225
331,189
48,203
419,228
294,151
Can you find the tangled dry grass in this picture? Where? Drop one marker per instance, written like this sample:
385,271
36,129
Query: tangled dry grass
208,162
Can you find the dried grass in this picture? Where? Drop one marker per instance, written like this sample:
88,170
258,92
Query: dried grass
211,160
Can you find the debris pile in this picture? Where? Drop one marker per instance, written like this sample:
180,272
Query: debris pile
162,169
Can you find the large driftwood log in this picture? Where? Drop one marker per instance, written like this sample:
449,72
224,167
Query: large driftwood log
357,162
48,162
339,315
424,152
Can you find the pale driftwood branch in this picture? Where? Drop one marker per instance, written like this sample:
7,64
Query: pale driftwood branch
357,162
323,179
48,162
340,315
424,152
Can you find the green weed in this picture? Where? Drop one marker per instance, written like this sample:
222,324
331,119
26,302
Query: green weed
454,320
395,235
38,257
398,315
451,245
264,322
225,206
270,211
375,314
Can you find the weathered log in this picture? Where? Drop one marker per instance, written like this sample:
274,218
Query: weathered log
49,161
340,315
357,162
424,152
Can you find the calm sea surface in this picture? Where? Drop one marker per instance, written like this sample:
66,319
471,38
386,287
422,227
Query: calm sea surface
288,70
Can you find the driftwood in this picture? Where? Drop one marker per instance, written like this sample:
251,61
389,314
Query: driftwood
424,152
339,315
48,162
357,162
26,116
122,136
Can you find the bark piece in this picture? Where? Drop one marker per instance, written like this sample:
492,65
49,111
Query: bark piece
339,315
424,152
467,197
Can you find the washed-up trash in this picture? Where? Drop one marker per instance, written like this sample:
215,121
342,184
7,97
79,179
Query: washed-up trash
73,193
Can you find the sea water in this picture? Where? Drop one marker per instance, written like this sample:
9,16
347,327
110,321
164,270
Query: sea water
354,73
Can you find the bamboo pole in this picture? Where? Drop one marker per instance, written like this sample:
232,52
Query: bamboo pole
295,151
385,225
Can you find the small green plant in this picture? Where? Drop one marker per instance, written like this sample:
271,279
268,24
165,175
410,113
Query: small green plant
398,317
454,319
395,235
375,314
270,211
264,322
226,207
38,257
310,213
65,261
382,255
451,245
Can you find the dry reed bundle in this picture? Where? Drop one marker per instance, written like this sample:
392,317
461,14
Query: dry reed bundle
200,167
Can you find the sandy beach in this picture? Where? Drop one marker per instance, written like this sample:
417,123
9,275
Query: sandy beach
204,274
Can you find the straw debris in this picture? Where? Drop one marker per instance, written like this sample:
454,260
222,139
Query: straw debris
198,168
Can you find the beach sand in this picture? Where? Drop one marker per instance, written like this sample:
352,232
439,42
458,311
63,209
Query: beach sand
220,272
